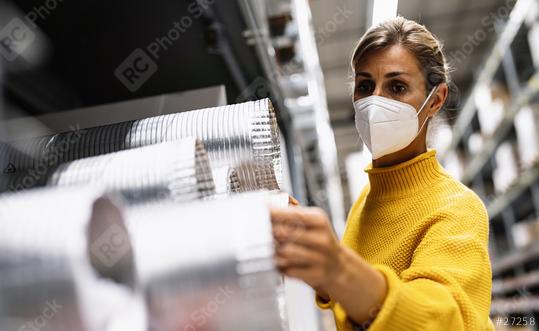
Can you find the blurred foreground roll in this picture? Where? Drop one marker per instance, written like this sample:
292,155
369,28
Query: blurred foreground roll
64,254
244,133
177,171
208,265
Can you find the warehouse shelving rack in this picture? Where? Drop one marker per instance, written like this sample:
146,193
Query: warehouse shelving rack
515,270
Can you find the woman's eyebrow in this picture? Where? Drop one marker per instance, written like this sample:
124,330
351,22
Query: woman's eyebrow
388,75
395,73
364,74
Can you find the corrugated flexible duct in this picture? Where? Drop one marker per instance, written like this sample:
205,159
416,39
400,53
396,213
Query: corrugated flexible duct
234,134
208,257
226,181
55,257
178,171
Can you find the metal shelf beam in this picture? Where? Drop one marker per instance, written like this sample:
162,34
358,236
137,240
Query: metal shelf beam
514,305
516,18
522,99
500,287
515,259
525,180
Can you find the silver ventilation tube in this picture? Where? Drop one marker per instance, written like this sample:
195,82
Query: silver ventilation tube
177,171
207,256
234,134
170,263
226,181
57,269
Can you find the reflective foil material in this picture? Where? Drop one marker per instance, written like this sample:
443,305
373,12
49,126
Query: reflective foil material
208,267
177,171
226,181
196,266
56,266
244,133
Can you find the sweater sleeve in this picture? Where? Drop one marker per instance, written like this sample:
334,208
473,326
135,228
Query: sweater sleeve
448,284
323,304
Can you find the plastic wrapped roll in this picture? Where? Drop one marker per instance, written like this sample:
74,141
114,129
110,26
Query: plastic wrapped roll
210,257
178,171
235,134
63,255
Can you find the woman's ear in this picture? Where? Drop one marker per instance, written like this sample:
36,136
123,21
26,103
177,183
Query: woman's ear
438,99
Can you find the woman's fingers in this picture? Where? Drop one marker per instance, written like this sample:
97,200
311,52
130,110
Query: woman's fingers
306,246
309,275
292,201
285,234
287,231
306,226
299,217
292,255
312,239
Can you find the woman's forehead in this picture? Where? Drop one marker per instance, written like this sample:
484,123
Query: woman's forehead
393,59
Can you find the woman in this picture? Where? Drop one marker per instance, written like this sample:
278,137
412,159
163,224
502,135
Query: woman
414,253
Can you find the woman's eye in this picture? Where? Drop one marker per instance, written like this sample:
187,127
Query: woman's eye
364,87
398,88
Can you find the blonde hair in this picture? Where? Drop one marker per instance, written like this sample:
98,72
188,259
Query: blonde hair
415,38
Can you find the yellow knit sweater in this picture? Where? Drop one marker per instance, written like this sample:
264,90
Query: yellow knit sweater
428,235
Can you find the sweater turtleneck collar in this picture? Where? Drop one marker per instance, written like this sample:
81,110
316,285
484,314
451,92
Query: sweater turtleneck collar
405,178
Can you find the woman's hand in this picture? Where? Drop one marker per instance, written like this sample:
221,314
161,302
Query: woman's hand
307,248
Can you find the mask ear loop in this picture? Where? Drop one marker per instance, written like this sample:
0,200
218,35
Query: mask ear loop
434,89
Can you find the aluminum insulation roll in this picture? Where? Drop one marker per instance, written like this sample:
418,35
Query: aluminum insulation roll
210,256
226,181
22,180
178,171
57,271
235,134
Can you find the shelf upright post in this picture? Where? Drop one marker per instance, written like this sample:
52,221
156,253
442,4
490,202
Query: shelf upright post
509,67
478,185
534,189
2,115
508,218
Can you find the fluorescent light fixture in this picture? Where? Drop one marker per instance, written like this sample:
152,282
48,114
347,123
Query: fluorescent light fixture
382,10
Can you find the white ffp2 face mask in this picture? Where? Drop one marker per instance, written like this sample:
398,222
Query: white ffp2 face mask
386,125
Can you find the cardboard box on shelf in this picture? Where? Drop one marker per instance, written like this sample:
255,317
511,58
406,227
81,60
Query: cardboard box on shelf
500,92
525,233
491,102
475,143
527,130
506,170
